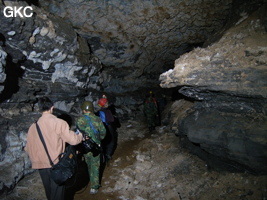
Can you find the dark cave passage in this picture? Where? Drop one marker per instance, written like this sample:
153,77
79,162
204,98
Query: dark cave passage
14,72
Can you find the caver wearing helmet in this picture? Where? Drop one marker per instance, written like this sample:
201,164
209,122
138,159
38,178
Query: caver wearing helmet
102,102
110,141
151,111
92,127
87,106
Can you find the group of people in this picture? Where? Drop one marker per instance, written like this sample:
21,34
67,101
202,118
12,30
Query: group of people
57,133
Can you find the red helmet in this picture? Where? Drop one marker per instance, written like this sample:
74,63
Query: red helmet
102,102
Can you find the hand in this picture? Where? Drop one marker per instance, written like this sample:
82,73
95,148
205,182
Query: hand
77,131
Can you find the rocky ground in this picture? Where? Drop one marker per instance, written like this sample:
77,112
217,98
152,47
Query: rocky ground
152,166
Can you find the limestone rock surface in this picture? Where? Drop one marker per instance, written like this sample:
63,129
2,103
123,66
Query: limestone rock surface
228,81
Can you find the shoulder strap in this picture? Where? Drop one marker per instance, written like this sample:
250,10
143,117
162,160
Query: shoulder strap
42,139
103,116
92,126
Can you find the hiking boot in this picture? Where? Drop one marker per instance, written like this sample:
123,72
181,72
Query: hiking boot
93,191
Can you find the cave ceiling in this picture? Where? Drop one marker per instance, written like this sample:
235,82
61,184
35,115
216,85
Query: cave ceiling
117,47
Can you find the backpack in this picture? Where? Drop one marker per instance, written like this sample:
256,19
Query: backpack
103,117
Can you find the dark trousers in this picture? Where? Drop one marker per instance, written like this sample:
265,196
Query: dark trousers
53,191
111,140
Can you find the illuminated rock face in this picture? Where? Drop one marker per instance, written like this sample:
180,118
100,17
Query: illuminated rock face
121,32
141,39
70,42
228,80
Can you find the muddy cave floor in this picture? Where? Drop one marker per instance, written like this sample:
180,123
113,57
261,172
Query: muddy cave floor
152,166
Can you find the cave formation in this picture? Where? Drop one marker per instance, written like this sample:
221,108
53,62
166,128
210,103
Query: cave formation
73,51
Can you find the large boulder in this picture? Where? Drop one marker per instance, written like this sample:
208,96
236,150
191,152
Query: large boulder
227,81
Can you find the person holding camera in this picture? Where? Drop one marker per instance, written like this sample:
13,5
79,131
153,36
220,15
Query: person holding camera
56,133
92,126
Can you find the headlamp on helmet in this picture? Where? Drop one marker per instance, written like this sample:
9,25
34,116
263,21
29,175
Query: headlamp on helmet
87,106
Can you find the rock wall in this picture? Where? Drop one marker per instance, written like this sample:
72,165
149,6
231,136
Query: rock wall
228,82
47,54
2,70
141,38
76,49
40,55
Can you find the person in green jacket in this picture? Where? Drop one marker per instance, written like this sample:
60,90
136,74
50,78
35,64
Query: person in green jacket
93,127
